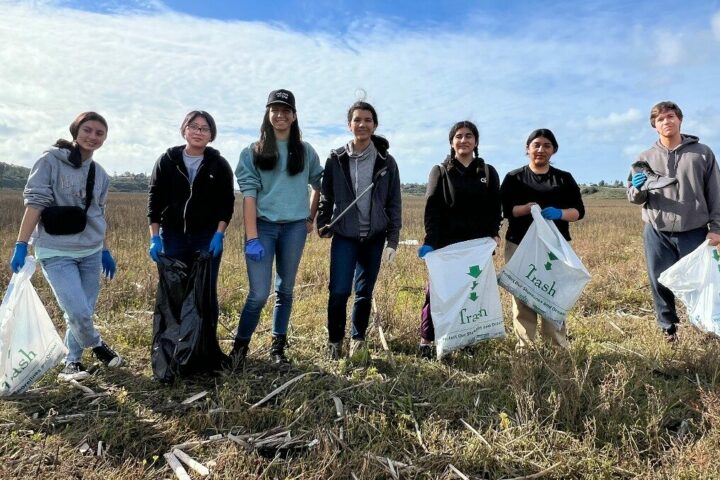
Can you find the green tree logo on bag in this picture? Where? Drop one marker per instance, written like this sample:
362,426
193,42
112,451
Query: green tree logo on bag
551,258
716,256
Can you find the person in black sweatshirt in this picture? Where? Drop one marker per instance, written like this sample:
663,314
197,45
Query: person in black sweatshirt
553,190
463,203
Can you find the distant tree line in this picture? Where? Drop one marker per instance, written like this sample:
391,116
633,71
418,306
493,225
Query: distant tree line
14,177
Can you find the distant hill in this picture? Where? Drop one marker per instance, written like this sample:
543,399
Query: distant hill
14,177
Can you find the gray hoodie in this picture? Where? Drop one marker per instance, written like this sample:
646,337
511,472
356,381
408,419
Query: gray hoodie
54,181
691,203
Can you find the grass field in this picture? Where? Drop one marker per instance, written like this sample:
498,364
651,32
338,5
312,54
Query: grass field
620,403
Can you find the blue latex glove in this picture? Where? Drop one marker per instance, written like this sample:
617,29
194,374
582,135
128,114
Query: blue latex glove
254,250
216,244
424,250
638,179
156,247
108,264
18,258
551,213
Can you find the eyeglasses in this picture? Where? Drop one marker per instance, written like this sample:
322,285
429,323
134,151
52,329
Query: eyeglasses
197,128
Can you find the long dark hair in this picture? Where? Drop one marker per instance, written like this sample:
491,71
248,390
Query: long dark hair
266,152
470,126
74,130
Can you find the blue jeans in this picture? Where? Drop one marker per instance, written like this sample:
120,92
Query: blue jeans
662,250
184,246
76,285
285,243
358,259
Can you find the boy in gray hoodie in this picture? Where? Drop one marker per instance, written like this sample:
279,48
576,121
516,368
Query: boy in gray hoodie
680,215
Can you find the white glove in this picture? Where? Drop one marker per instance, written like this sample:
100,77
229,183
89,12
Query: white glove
389,255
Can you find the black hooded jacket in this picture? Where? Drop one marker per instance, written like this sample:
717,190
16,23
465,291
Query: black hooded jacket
177,205
462,204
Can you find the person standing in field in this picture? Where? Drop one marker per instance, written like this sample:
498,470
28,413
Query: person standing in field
360,208
679,215
462,203
191,198
273,175
557,193
72,254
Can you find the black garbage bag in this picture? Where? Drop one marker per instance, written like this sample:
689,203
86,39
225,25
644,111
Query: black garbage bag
184,325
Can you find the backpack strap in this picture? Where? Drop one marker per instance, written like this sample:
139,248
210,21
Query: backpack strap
90,186
448,192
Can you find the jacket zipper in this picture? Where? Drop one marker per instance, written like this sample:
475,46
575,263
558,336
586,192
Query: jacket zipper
189,197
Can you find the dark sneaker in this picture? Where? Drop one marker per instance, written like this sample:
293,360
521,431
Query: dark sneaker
671,336
359,352
335,350
107,355
277,350
239,354
654,181
425,350
73,371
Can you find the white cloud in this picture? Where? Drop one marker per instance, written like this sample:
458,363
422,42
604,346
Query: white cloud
145,71
715,21
613,120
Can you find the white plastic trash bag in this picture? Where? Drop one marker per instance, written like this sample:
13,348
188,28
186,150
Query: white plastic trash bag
464,297
695,280
544,272
29,343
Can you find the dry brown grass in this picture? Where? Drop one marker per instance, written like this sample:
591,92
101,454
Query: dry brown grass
619,404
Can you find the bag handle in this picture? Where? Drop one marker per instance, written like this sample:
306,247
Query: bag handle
90,186
548,228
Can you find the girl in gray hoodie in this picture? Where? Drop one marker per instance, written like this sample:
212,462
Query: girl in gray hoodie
71,258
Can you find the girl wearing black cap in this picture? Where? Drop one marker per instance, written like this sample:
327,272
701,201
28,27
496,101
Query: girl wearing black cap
556,192
463,203
273,174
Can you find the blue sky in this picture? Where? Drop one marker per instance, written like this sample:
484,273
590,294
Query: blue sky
590,71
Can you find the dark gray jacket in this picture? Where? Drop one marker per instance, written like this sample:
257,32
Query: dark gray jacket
337,194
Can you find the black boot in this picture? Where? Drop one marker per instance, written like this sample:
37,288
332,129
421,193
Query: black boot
277,350
238,354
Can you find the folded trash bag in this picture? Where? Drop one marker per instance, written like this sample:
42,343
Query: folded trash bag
695,280
184,325
544,273
464,297
29,343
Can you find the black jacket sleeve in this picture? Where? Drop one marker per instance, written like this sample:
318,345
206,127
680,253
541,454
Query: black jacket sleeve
509,194
327,196
226,197
393,208
434,207
158,192
494,200
574,197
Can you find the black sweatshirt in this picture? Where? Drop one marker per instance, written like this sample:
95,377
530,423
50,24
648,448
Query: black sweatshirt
461,203
177,205
556,188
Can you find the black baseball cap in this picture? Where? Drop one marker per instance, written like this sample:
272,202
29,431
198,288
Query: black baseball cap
282,96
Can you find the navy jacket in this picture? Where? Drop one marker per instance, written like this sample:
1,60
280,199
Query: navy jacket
337,194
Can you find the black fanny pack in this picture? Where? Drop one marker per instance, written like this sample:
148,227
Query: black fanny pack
61,220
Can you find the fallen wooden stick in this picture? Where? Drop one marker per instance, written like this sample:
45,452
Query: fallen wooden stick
85,389
339,409
458,472
538,474
191,462
469,427
176,466
382,339
197,396
281,388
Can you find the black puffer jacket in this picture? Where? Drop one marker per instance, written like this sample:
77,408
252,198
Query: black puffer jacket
462,203
337,194
177,205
